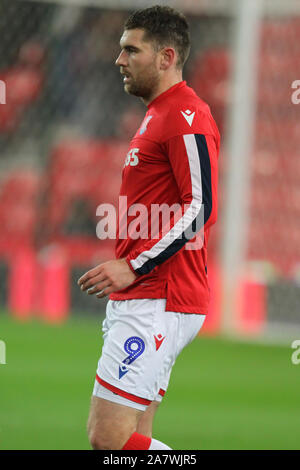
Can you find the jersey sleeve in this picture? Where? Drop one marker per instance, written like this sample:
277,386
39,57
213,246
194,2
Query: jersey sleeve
193,160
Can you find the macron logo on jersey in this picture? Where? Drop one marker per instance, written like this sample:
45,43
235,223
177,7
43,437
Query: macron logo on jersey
189,116
158,341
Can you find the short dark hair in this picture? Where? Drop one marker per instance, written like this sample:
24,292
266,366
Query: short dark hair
165,26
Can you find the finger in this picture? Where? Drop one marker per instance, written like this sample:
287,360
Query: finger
92,281
105,292
89,274
99,287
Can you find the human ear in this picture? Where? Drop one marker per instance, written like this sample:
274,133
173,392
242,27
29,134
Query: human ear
167,57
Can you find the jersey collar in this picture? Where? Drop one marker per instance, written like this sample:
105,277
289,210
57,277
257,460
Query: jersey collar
166,93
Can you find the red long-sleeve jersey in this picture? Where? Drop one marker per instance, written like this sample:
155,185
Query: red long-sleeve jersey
172,161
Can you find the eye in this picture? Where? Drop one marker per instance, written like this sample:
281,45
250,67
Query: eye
130,50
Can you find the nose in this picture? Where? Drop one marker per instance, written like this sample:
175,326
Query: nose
122,59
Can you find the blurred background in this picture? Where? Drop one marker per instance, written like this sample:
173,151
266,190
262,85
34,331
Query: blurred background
65,125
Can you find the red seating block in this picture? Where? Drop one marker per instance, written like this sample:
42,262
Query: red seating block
19,198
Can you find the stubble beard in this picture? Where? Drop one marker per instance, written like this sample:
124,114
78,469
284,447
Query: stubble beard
144,85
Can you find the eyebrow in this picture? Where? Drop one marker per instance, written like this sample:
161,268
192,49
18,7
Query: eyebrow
129,47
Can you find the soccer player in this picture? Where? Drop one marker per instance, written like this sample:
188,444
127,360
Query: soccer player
158,288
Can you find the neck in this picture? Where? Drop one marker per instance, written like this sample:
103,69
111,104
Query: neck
163,86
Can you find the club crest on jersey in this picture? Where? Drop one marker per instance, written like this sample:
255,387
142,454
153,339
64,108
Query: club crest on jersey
189,116
134,347
145,124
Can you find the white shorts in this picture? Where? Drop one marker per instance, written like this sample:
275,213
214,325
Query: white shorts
141,344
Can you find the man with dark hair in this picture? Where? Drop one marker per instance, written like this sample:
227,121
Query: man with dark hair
163,27
158,283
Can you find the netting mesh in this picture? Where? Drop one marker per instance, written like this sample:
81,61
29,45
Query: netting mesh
64,133
275,200
274,229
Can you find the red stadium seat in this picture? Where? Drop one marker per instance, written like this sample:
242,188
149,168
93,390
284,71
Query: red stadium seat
278,63
82,174
9,118
274,228
24,83
19,198
211,79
